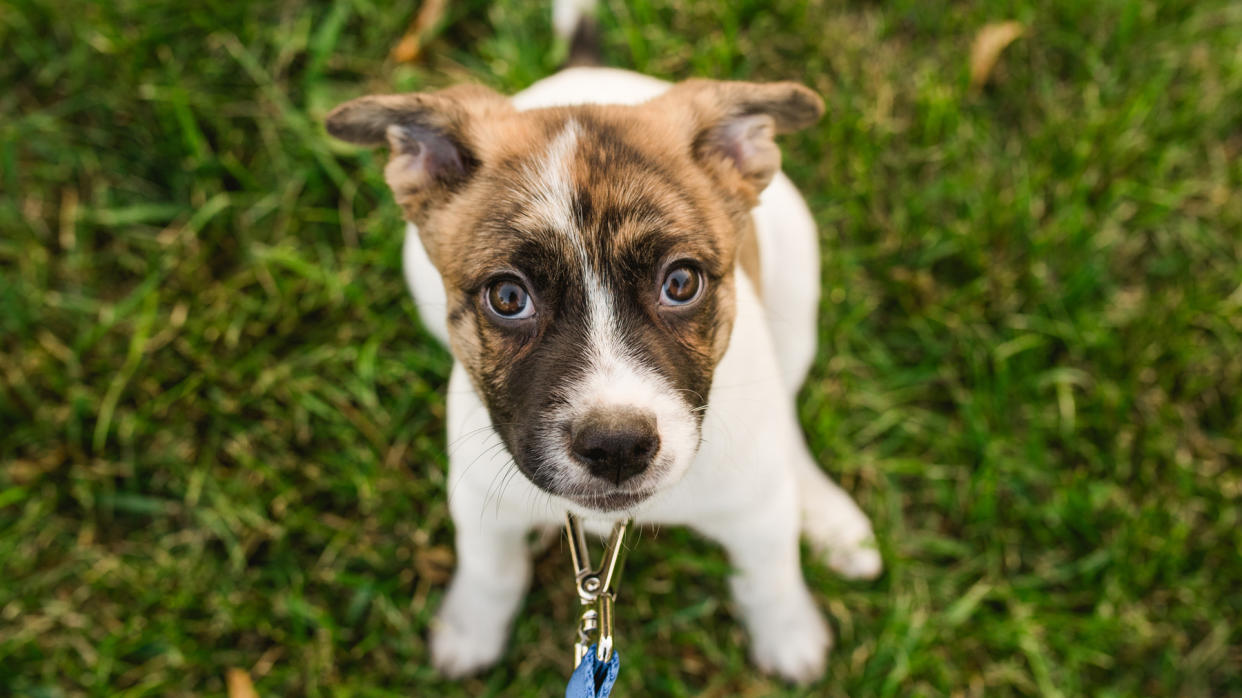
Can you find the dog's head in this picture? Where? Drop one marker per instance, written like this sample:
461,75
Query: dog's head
588,257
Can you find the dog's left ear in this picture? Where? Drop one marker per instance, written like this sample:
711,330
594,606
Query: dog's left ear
732,126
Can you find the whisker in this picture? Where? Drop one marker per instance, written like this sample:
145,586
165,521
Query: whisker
510,473
462,476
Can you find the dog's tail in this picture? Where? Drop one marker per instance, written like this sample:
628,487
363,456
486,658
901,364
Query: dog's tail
574,21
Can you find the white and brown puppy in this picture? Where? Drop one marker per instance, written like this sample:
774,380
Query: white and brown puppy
629,286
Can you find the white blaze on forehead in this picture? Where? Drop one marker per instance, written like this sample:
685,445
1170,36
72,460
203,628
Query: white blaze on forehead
549,186
550,197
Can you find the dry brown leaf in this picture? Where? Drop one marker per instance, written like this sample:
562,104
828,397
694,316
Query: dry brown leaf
239,684
989,43
411,45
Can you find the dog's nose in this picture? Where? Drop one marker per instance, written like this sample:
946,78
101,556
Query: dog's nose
615,444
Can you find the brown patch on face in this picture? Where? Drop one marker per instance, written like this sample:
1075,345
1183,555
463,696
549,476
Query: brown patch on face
635,204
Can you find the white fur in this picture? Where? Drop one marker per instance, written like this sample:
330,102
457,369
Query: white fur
752,486
551,185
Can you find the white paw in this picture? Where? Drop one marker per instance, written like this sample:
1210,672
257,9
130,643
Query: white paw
463,641
856,561
792,645
841,535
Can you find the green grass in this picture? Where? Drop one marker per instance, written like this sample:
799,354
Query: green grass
221,425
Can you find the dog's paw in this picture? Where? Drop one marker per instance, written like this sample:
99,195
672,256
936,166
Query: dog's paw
842,538
855,561
796,649
465,639
458,652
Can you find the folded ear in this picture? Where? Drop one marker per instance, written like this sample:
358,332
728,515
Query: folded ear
431,135
733,124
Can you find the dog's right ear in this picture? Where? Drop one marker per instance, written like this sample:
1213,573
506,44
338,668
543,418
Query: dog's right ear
432,137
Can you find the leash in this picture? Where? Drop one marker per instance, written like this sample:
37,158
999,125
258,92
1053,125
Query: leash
596,660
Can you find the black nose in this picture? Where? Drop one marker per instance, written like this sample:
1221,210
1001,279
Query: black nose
615,445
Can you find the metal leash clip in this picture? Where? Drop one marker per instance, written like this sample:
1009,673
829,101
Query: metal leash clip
595,587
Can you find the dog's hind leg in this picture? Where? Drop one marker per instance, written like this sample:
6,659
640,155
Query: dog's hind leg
838,531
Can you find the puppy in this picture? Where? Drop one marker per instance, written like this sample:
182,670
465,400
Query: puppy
628,285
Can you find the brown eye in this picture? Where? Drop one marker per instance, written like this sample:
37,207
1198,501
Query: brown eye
682,285
507,299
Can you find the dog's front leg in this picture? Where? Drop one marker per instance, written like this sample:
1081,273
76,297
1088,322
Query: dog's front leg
493,560
472,625
788,635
